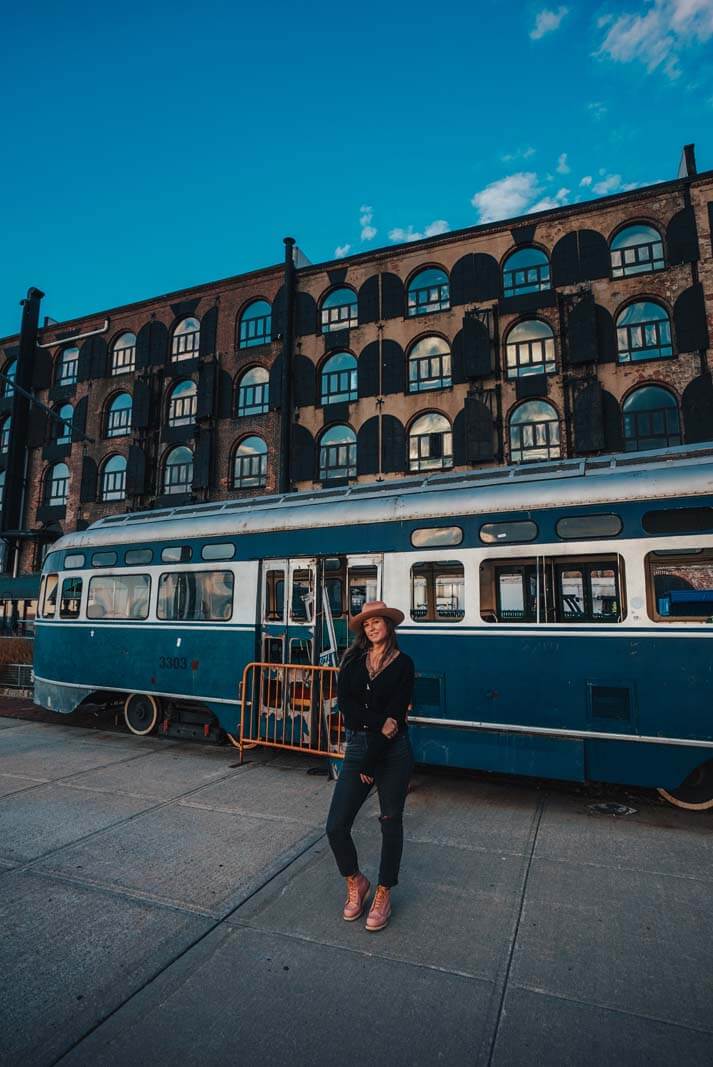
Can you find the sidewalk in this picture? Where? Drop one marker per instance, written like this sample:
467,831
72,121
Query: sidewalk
161,905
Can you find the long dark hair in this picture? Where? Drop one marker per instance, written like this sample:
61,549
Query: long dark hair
361,643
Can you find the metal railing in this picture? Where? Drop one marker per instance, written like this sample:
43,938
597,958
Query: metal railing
16,676
291,706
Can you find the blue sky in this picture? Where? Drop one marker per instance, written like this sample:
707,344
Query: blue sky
154,146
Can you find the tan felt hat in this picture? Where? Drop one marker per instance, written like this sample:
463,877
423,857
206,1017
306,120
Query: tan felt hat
376,608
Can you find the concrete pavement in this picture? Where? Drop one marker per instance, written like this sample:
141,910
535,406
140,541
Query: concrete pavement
160,904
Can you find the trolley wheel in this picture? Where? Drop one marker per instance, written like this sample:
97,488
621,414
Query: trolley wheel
235,742
141,713
695,792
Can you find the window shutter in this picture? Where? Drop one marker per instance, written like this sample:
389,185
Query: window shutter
209,333
142,346
368,300
689,320
158,344
97,357
479,431
306,315
589,419
279,316
611,416
304,383
368,370
42,369
141,405
79,419
302,458
463,284
478,355
201,460
393,445
487,277
225,394
531,385
206,389
392,296
594,255
368,447
682,238
697,407
276,384
393,373
606,335
84,362
88,484
135,471
565,261
37,427
582,332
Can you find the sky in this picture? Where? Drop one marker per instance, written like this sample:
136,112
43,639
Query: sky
154,146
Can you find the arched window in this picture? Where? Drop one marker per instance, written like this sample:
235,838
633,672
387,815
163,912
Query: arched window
57,485
637,249
118,416
429,365
113,479
337,454
182,404
178,471
186,340
530,349
428,291
123,354
526,271
339,310
643,331
255,324
250,464
5,434
650,419
534,432
10,371
430,443
339,378
67,365
63,430
254,392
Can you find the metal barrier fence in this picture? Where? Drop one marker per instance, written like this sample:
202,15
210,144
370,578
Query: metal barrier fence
290,706
16,676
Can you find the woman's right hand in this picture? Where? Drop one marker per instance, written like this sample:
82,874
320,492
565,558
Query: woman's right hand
390,728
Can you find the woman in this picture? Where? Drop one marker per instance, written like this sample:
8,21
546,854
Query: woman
375,688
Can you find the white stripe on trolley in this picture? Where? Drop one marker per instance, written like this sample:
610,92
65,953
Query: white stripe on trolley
145,692
547,731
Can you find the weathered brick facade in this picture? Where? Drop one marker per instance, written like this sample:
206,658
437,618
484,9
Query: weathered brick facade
586,386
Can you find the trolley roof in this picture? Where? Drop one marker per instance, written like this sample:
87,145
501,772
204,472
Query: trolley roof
661,474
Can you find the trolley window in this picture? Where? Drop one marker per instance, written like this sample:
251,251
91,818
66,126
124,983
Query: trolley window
49,599
53,561
119,596
437,592
275,596
70,599
680,586
507,532
678,520
362,587
104,559
302,596
582,527
436,537
73,560
197,595
176,554
135,557
217,551
587,589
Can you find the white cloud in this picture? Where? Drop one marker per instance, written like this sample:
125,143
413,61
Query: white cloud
433,229
597,109
586,180
366,214
341,251
506,196
609,184
519,153
658,33
549,202
563,166
547,21
368,233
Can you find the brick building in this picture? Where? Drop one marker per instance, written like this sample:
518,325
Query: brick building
573,331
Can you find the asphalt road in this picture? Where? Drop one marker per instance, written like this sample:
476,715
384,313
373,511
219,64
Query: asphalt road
161,905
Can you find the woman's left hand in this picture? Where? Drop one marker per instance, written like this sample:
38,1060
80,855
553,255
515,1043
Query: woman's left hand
390,728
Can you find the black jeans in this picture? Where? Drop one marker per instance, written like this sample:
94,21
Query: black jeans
392,776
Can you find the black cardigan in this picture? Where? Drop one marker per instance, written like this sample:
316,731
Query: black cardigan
367,704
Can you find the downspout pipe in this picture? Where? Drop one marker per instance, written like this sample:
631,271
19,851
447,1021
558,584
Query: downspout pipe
284,479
